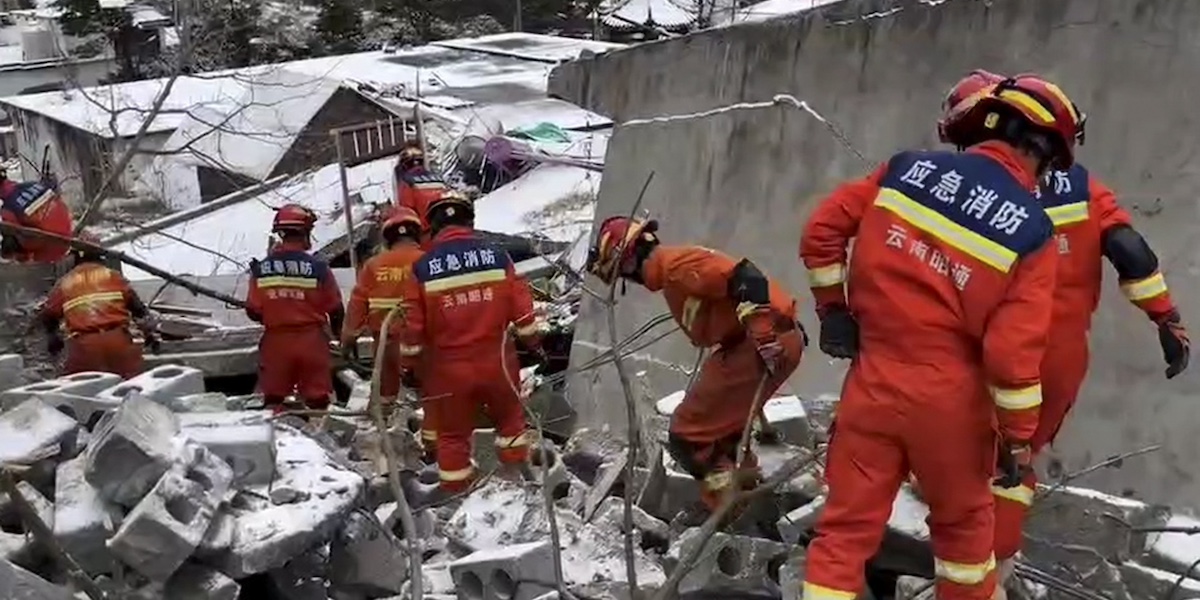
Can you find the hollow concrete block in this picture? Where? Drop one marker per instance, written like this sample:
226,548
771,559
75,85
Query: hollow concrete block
131,451
164,384
730,564
75,395
518,572
248,449
33,431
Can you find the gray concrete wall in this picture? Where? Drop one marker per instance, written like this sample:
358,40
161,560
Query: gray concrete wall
743,181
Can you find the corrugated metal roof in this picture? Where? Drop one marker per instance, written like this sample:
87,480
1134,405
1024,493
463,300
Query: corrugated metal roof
663,13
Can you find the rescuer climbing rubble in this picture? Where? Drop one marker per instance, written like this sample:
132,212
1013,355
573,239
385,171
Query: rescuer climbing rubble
417,187
295,297
1089,226
464,297
720,303
35,205
95,305
950,291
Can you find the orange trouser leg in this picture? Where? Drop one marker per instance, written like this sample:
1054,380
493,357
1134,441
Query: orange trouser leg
450,385
894,417
502,401
111,351
1063,370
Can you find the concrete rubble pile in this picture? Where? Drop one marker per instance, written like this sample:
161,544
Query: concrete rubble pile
154,485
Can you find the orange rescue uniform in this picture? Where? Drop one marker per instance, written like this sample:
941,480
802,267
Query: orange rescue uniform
416,188
707,426
951,284
379,289
465,296
95,304
36,205
1082,210
294,295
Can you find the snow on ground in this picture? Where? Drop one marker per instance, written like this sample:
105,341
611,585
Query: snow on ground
239,232
909,514
1097,495
1180,548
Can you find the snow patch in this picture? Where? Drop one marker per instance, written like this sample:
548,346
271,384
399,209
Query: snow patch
557,202
909,514
1179,548
1095,495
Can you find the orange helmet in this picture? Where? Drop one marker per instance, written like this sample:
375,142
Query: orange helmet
401,217
293,217
411,155
613,253
956,101
1026,103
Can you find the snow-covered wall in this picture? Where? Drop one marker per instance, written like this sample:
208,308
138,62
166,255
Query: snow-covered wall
743,181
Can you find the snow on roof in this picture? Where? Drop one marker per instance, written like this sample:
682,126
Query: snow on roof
529,46
776,8
664,13
472,75
11,54
531,112
254,136
553,201
239,231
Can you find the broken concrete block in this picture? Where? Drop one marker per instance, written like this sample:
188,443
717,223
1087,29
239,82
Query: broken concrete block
11,372
575,494
21,550
202,402
43,507
82,519
914,588
679,490
547,465
18,584
730,564
196,582
33,431
611,515
601,441
365,557
266,536
1147,582
483,450
548,405
519,572
74,394
248,449
798,524
131,451
791,574
302,578
168,524
1175,551
161,384
1086,518
219,537
786,415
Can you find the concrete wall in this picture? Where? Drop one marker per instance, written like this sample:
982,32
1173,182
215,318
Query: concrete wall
743,181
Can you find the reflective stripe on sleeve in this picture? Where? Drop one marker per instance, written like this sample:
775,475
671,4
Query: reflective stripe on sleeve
1022,494
964,573
1018,399
1068,213
1144,289
827,276
409,350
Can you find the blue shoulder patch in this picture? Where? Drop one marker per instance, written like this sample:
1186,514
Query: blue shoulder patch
291,263
1065,187
459,257
974,192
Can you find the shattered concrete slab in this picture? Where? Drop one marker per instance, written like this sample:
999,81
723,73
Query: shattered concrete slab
1147,582
131,450
33,431
1175,551
730,564
196,582
18,584
365,558
267,537
12,367
1094,520
611,515
796,525
787,416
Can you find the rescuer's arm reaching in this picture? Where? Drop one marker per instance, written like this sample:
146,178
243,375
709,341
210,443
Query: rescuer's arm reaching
823,248
356,313
1141,281
1013,344
751,291
522,315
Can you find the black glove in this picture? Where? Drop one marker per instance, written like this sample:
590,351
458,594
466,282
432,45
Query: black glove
153,344
55,345
541,360
1013,462
839,333
1176,346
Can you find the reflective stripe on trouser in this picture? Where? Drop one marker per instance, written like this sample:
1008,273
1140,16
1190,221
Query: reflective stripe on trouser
512,449
887,427
456,480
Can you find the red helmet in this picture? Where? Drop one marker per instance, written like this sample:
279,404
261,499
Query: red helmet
613,252
1039,104
293,217
401,216
1081,126
956,101
449,203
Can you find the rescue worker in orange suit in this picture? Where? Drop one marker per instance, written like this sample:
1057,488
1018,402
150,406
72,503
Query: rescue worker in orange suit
294,296
720,303
950,293
35,205
95,305
1089,226
416,186
463,297
379,289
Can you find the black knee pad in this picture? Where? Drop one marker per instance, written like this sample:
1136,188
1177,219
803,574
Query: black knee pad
684,453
